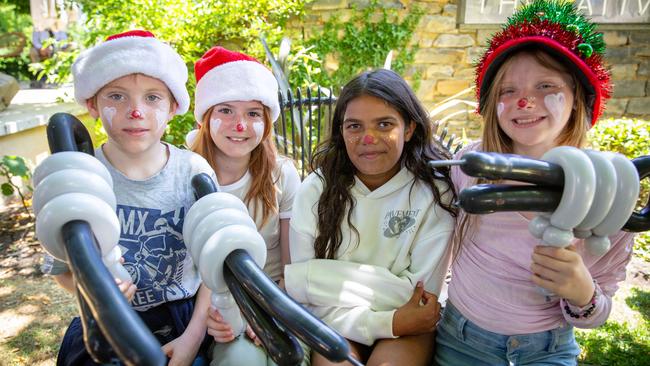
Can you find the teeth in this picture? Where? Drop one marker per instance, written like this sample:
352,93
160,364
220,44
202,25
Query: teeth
526,121
237,139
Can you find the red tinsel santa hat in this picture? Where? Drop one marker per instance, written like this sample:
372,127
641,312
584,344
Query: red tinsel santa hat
132,52
556,27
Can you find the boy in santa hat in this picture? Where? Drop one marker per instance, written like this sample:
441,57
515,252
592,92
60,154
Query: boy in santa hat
135,83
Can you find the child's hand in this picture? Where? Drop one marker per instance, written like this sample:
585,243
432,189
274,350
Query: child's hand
127,288
182,350
218,328
252,336
562,271
419,315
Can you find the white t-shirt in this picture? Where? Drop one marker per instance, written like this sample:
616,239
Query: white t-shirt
287,183
404,239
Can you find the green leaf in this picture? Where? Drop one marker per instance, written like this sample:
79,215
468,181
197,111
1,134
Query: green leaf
16,165
7,189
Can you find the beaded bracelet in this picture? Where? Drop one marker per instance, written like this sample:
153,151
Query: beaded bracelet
586,313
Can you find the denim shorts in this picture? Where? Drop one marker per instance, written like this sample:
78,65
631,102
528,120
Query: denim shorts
461,342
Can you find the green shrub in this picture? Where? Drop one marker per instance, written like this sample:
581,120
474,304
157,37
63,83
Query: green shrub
364,41
631,138
13,18
190,27
12,166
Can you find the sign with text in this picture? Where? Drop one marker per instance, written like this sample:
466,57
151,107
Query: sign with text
600,11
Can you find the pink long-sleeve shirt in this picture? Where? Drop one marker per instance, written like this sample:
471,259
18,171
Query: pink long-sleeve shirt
491,278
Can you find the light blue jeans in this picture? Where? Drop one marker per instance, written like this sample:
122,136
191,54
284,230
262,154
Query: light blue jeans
461,342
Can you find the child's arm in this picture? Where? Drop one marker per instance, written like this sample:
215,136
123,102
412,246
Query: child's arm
419,315
573,281
183,350
348,284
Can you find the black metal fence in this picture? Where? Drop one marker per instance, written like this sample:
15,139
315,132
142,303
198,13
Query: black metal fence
303,120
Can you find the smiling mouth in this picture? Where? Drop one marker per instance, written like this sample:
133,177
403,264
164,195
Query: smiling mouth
237,139
371,155
135,130
527,121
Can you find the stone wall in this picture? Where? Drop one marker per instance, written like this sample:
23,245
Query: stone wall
447,50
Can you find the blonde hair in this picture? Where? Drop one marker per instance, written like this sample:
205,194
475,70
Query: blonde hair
494,139
262,165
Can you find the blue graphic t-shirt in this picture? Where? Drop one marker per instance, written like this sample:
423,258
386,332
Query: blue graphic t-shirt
151,214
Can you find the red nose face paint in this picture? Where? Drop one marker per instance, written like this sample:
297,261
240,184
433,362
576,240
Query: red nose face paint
136,114
522,103
367,139
240,127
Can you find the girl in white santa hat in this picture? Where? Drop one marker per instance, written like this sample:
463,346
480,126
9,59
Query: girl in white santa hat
236,106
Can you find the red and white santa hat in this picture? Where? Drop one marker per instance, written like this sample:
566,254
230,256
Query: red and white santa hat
132,52
227,76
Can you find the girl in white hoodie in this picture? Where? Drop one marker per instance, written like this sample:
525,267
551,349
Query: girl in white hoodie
370,230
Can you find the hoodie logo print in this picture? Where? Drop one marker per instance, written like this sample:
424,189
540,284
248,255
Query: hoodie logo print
397,222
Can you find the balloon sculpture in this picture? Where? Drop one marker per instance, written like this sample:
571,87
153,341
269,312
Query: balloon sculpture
76,223
582,193
224,242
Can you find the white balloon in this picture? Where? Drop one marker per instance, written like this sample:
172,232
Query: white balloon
76,206
112,262
214,222
557,237
606,182
70,160
225,303
597,245
627,193
537,225
190,138
72,181
579,186
206,205
222,243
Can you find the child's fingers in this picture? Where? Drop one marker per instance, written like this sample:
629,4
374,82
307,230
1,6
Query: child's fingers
221,337
214,314
545,272
417,293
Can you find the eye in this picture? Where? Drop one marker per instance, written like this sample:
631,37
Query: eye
506,91
255,114
385,125
116,97
351,126
224,110
546,86
153,98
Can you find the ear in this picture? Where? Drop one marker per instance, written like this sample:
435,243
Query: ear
172,110
92,108
410,129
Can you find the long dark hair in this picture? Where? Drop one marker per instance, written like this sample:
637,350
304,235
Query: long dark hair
332,164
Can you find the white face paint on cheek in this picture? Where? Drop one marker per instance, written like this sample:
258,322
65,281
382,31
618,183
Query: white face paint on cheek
215,123
161,118
500,108
555,105
258,127
107,115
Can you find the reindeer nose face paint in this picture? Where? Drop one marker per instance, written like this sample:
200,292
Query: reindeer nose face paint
135,114
367,139
240,127
526,102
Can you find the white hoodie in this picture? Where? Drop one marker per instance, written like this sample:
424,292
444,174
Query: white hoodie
404,239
